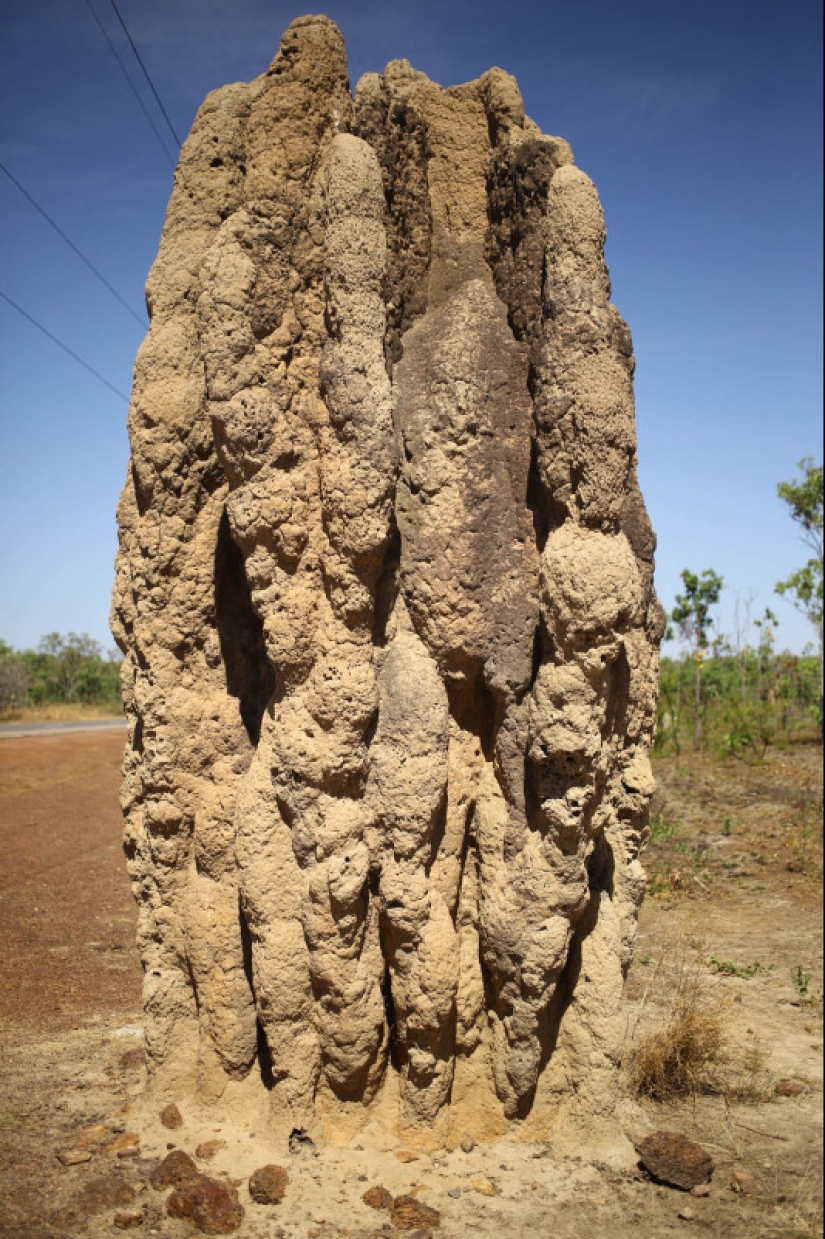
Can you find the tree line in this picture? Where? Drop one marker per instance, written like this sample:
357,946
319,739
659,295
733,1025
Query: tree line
736,693
67,668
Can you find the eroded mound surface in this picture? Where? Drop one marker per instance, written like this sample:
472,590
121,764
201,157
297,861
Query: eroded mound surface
385,595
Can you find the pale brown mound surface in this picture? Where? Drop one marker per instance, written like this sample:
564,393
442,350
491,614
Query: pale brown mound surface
385,597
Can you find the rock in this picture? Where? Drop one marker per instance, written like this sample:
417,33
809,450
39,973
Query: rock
176,1168
104,1192
171,1116
687,1214
743,1184
129,1220
378,1198
124,1140
790,1088
483,1186
212,1206
209,1148
384,592
671,1158
407,1213
454,1192
268,1184
74,1157
701,1189
467,1145
405,1155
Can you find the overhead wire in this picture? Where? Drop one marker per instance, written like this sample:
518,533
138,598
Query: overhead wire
146,74
63,346
72,245
130,83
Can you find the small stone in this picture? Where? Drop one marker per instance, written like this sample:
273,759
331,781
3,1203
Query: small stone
467,1144
743,1184
125,1140
407,1213
131,1150
405,1155
701,1189
212,1206
455,1192
483,1186
209,1148
790,1088
171,1116
377,1198
74,1157
175,1169
268,1184
671,1158
128,1221
92,1135
686,1214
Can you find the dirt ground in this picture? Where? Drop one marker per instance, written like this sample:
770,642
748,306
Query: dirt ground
735,868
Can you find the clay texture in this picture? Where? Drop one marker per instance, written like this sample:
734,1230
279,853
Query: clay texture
384,591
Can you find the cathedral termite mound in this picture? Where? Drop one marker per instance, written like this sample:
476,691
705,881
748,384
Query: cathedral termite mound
384,591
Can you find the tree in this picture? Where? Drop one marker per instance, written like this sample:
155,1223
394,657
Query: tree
804,498
14,681
68,660
692,614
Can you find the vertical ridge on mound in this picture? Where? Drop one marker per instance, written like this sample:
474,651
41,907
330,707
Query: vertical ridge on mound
384,591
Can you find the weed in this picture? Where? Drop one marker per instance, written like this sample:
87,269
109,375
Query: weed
730,968
661,831
728,825
801,981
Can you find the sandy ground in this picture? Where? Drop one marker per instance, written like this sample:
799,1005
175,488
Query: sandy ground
736,882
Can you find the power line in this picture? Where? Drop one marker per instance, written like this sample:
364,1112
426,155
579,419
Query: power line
130,83
146,74
64,347
72,246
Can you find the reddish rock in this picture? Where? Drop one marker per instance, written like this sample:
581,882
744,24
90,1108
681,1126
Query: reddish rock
212,1206
209,1148
671,1158
129,1221
790,1088
176,1168
407,1213
268,1184
171,1116
378,1198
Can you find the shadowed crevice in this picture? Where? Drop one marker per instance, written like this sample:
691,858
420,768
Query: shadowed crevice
249,677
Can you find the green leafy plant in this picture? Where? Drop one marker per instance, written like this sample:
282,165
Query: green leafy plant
730,968
661,830
800,980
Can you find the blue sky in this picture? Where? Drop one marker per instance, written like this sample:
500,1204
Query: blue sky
700,123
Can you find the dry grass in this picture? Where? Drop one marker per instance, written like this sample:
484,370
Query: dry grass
57,711
683,1048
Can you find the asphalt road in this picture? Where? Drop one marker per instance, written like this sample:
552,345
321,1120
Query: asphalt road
9,730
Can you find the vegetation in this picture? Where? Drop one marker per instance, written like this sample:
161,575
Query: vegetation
70,669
